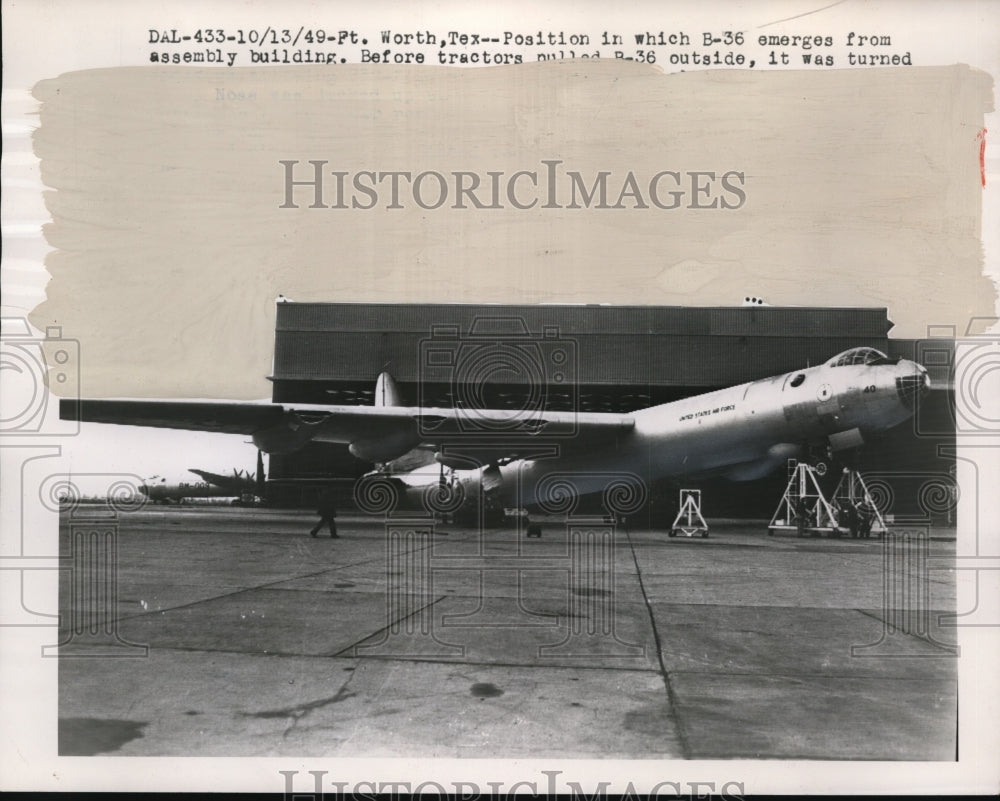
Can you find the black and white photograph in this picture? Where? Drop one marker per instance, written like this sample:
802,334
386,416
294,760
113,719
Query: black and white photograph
523,400
634,515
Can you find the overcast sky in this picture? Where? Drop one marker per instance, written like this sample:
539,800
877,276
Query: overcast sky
145,452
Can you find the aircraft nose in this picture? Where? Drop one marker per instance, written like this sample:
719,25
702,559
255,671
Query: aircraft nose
913,382
925,387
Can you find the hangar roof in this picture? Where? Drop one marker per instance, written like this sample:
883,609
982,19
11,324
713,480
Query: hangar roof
501,319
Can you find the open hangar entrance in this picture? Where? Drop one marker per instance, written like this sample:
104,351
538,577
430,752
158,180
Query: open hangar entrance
597,358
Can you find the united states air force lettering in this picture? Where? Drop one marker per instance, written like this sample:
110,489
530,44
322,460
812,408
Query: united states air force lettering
707,412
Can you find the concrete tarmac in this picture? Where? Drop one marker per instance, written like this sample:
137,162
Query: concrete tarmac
233,633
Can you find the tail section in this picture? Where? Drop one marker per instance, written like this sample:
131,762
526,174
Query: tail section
386,392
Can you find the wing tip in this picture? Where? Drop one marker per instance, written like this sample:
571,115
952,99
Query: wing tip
69,409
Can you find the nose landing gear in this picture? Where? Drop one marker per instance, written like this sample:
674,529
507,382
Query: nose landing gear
804,508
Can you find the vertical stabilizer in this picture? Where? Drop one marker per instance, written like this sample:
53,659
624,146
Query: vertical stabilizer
386,393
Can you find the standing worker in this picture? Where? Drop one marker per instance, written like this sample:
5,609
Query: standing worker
801,516
865,520
853,520
326,508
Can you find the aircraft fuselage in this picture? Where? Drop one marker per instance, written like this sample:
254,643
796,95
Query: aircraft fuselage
742,432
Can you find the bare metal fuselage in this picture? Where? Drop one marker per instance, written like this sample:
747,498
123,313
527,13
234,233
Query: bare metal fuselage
741,432
179,492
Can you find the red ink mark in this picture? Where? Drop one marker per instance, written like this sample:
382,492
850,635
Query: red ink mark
981,136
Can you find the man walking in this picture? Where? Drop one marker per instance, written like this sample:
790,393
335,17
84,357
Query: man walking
326,508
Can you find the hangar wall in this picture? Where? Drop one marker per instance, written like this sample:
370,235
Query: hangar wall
341,347
588,358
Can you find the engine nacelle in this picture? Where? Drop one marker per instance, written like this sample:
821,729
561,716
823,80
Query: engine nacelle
483,498
471,500
383,449
290,435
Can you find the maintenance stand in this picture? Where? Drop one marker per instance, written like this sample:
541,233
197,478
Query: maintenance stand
689,520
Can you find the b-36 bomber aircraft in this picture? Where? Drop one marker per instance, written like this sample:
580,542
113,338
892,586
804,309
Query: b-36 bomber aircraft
239,486
491,459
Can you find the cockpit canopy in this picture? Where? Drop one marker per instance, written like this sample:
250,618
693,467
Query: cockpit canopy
868,356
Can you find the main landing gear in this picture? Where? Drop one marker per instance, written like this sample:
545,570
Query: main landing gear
804,507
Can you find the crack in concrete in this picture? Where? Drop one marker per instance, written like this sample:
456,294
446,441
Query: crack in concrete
671,697
300,711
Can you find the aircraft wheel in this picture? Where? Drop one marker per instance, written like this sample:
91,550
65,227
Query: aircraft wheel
672,532
704,535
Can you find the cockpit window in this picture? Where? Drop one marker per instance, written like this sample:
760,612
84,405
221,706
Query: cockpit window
860,356
797,381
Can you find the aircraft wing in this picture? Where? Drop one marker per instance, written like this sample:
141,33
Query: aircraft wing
375,433
226,417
